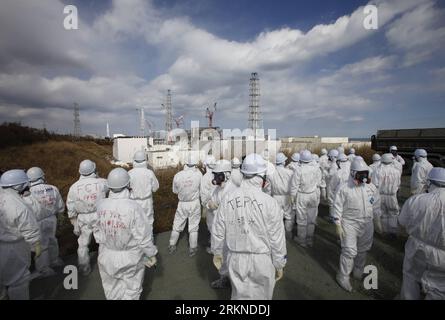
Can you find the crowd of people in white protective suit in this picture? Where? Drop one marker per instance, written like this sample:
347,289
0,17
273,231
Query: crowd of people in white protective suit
250,208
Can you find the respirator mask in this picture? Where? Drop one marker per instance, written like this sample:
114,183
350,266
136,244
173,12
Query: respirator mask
218,178
362,177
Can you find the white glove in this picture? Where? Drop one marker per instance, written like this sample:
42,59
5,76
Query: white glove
378,225
323,194
339,231
76,226
217,261
37,249
278,274
212,205
151,261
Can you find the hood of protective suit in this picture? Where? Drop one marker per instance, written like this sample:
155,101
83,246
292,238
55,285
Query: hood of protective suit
255,182
123,194
37,182
142,164
93,175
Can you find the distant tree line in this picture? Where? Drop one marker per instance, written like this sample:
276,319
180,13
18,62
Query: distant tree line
15,134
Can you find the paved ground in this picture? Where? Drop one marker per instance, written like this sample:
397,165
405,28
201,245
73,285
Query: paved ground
309,274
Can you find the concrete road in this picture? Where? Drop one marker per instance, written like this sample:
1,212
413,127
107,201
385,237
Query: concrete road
309,274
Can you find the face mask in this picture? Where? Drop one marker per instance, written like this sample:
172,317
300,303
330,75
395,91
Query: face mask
362,177
218,178
25,191
394,153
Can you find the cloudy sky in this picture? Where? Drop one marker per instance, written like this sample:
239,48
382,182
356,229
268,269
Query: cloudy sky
321,71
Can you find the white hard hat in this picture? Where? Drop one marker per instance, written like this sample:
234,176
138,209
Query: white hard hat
295,157
315,157
420,153
359,158
393,148
34,174
118,178
306,156
352,151
222,166
87,167
333,153
342,157
376,157
359,165
210,161
13,178
324,151
387,158
281,158
191,160
437,174
254,164
236,163
139,156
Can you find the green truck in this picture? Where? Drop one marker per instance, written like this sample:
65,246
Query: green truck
408,140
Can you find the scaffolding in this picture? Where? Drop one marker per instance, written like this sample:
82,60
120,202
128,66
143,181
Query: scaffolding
255,118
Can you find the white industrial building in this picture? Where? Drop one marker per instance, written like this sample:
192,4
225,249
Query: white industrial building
124,148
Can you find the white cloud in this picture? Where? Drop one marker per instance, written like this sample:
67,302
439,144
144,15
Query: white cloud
46,68
418,33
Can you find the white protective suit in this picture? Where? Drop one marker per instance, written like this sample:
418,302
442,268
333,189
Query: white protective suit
419,176
123,233
206,190
81,203
324,166
423,217
338,177
398,166
186,184
351,157
18,231
236,175
143,183
250,223
293,165
355,207
51,204
330,173
280,190
305,190
217,196
387,179
400,160
373,167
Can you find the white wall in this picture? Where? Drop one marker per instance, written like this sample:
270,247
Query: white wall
125,148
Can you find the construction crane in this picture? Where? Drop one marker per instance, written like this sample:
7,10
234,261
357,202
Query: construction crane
179,121
150,126
210,114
